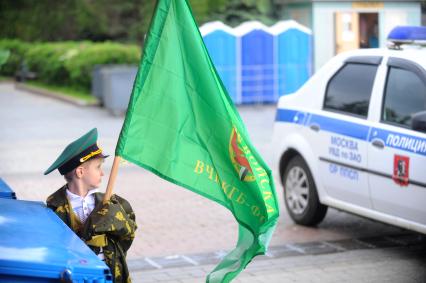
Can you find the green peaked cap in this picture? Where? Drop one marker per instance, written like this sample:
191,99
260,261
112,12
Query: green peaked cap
77,152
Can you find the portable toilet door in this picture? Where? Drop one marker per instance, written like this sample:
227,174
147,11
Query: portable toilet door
293,55
220,42
257,63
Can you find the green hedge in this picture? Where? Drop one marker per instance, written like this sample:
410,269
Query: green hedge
66,63
17,50
81,62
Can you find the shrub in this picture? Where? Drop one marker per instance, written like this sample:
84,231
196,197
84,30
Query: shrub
4,55
81,63
66,63
47,61
17,50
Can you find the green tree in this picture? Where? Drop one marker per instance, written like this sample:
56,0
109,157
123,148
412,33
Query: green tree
234,12
120,20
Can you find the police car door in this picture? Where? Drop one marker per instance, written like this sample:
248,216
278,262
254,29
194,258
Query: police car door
343,131
397,152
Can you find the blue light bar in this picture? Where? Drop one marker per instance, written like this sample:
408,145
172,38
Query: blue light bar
408,34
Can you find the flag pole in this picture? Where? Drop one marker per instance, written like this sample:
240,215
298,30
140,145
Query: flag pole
111,180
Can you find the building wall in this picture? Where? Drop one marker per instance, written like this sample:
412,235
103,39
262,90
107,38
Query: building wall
323,30
390,14
398,14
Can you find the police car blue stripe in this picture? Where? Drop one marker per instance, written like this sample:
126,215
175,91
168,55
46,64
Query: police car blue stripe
291,116
391,139
285,115
337,126
400,141
341,127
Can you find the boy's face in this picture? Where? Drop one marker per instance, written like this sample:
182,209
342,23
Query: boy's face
92,173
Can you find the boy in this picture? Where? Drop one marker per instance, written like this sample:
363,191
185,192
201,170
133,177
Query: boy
107,228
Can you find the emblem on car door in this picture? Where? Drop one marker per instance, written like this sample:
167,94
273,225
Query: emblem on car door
401,168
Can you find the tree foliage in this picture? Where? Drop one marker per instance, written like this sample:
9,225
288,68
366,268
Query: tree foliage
52,20
234,12
121,20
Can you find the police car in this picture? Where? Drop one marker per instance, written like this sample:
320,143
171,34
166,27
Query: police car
354,136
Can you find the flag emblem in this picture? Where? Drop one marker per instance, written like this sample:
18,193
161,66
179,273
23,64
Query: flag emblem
239,158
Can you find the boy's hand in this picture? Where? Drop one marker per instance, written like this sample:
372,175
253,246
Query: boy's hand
110,218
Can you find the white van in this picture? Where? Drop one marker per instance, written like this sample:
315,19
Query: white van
354,136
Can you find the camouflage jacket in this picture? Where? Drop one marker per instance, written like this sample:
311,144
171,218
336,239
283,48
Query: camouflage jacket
110,228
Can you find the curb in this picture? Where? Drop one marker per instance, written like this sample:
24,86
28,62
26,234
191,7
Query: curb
55,95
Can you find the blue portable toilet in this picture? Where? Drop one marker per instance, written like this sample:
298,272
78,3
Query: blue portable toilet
293,55
221,42
257,63
36,246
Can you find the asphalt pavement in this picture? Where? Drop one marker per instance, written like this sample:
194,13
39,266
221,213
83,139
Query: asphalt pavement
181,235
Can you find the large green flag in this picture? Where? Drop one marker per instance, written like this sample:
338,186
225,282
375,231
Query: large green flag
182,125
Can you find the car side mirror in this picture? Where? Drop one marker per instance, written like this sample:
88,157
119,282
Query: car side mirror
418,122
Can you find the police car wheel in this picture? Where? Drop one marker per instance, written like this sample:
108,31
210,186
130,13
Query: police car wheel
300,194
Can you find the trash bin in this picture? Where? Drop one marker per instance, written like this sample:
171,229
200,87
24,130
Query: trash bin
6,191
97,83
36,246
116,83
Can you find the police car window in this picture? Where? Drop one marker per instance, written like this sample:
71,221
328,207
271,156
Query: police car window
405,95
349,90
